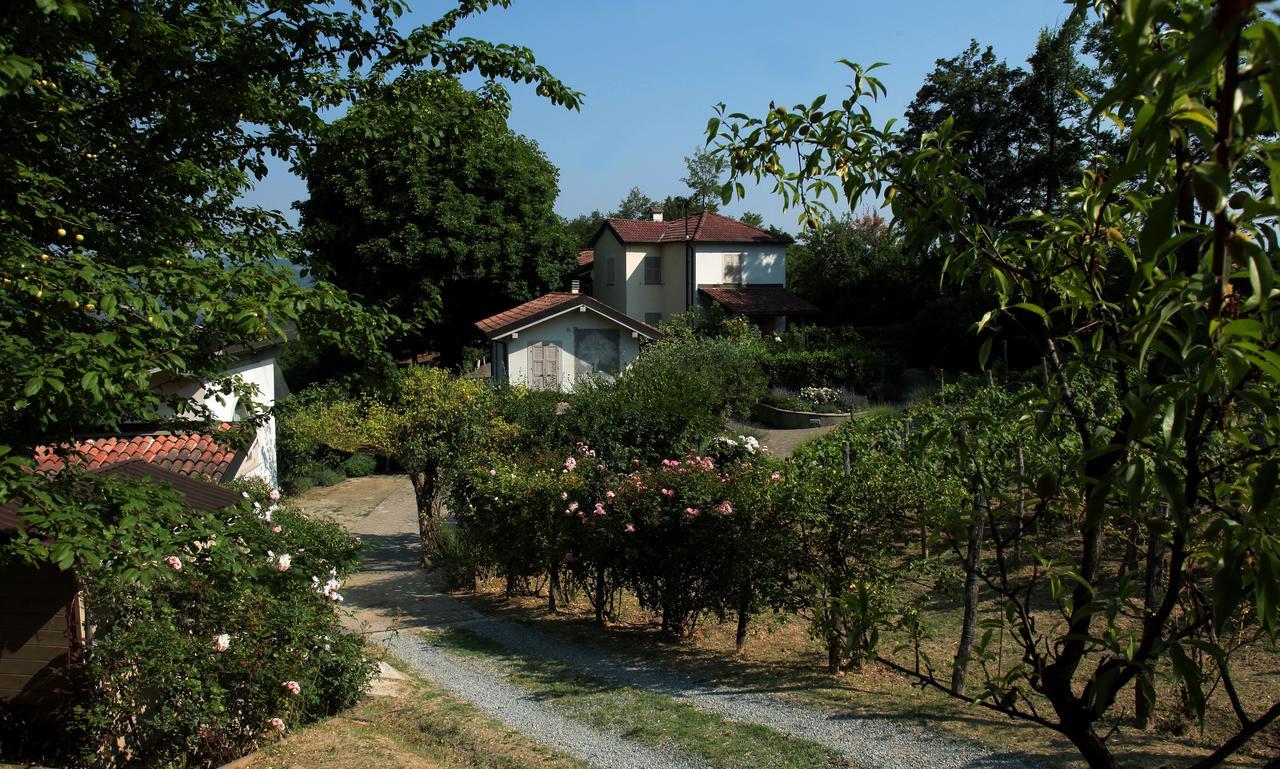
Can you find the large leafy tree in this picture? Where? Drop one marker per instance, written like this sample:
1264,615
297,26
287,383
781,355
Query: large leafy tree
856,270
1156,276
423,202
128,134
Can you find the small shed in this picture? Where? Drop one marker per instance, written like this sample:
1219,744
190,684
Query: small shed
41,608
552,342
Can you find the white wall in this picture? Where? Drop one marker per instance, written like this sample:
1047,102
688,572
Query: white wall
608,248
264,374
761,264
560,330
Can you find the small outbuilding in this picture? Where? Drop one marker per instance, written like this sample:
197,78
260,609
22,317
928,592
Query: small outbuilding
42,619
561,338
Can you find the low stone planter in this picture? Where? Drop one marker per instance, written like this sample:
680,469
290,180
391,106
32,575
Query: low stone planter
785,419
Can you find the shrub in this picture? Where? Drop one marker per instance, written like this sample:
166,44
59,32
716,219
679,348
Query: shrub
359,465
326,476
861,370
299,484
196,651
673,399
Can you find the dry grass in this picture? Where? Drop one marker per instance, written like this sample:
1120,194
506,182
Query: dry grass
421,728
781,657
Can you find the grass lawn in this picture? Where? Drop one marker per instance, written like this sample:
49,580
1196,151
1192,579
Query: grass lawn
782,657
647,718
421,728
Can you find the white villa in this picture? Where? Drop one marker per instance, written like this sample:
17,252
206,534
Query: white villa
653,269
642,272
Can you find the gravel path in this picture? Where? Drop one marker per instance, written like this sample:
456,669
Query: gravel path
520,710
391,592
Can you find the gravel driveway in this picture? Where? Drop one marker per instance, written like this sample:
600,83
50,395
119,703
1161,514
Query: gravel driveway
390,592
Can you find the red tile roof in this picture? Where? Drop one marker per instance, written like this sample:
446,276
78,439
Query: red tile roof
759,300
550,304
199,495
586,257
705,227
522,312
191,454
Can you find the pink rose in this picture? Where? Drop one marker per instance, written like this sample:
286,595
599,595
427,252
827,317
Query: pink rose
609,494
564,495
692,512
599,510
667,492
274,495
293,687
630,529
775,477
276,723
724,508
222,642
276,529
173,562
570,464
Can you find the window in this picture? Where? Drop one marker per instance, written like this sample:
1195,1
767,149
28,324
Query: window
652,318
733,269
653,270
610,270
597,351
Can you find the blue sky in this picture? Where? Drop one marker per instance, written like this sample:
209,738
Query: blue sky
653,71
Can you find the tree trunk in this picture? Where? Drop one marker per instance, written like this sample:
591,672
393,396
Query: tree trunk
1092,748
969,629
744,617
1144,701
427,497
553,586
600,597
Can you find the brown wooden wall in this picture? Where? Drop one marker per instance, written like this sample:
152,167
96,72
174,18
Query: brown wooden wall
37,625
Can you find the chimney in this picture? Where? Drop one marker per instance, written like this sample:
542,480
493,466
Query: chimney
655,214
575,286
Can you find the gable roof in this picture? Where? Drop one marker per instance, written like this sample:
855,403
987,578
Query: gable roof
705,227
549,306
759,300
198,494
189,454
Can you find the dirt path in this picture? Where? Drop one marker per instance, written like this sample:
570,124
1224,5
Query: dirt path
782,443
390,592
390,596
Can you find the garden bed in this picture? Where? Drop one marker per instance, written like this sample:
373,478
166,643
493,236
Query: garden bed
786,419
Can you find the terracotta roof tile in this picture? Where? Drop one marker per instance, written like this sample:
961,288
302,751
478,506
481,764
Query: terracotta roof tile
549,304
199,494
522,312
759,300
189,453
705,227
586,257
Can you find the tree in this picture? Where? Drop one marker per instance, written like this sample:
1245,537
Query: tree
582,228
704,180
857,271
1055,136
1156,276
635,205
423,202
972,91
421,417
128,134
752,218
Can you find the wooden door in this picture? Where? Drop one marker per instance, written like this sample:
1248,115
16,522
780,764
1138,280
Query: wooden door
544,366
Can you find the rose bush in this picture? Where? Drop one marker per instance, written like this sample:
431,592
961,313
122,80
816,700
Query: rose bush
195,665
